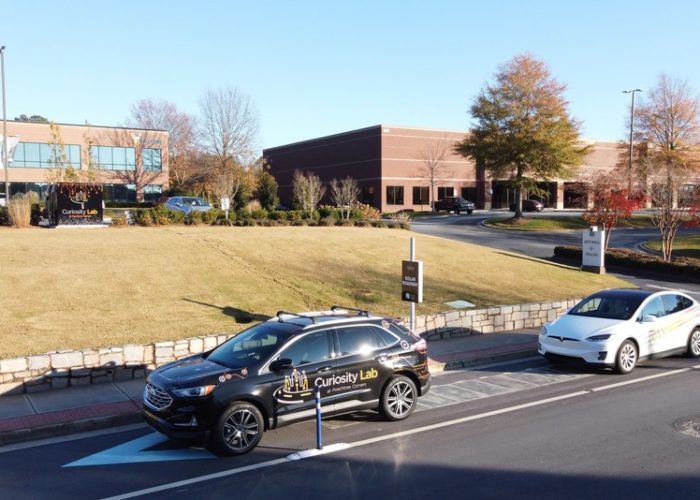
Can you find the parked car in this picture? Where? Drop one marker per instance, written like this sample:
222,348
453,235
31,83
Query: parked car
618,328
455,204
188,204
529,206
267,376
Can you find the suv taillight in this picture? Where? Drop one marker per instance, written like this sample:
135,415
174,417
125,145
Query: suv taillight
420,346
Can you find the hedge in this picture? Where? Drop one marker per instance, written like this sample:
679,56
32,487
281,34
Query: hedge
630,259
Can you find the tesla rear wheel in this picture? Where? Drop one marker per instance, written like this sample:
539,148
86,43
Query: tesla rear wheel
399,398
239,429
694,343
626,358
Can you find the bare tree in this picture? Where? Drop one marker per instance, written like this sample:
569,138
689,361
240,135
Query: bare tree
308,191
163,115
434,167
344,194
142,172
668,124
229,126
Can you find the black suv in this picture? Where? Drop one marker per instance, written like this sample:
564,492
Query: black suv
454,204
266,377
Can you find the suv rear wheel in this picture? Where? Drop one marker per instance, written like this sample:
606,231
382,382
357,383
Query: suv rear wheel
239,429
399,398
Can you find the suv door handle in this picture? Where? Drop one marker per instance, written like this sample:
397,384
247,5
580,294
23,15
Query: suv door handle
324,369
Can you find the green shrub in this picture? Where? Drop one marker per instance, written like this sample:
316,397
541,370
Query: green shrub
119,220
142,217
259,214
378,223
294,215
328,211
4,217
129,204
214,215
311,222
277,215
327,221
345,223
363,223
298,222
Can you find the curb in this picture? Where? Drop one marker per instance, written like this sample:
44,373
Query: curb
467,362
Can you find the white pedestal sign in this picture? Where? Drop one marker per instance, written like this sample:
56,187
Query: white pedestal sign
593,250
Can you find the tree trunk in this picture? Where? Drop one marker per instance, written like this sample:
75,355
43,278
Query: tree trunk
518,193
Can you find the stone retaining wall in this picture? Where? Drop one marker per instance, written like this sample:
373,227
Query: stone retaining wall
57,370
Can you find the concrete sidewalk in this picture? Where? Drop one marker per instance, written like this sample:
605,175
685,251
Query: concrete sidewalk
25,417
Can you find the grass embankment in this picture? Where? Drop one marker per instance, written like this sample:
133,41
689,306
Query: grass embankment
683,246
80,288
544,223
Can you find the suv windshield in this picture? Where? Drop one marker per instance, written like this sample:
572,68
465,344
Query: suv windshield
609,307
251,346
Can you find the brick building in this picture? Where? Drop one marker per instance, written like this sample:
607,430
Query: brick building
393,164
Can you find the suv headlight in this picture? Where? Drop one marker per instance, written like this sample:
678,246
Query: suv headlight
194,392
543,331
599,338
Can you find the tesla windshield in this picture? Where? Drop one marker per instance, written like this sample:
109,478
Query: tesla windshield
608,306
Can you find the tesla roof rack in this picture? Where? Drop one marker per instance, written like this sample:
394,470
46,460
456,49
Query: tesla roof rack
360,312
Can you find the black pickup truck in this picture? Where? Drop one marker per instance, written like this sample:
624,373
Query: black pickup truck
455,204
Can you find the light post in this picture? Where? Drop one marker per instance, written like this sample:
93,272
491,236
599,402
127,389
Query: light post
4,127
629,166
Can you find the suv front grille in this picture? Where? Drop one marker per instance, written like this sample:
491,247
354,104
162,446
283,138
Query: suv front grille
156,398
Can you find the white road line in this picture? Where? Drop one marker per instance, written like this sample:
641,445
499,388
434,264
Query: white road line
419,430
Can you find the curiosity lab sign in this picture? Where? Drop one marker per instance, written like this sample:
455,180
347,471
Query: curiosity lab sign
412,281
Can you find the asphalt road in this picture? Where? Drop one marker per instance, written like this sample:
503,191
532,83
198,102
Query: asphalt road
468,229
525,430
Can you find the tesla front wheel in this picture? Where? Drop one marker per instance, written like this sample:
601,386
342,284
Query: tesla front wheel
626,358
399,398
694,343
239,429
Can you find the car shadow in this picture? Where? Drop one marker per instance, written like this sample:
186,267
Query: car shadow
239,315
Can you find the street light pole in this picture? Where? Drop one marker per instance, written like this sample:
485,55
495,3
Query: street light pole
629,166
4,127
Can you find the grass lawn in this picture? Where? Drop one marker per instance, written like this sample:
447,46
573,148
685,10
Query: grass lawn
683,246
87,288
540,223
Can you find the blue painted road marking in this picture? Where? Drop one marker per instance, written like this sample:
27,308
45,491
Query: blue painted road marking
133,452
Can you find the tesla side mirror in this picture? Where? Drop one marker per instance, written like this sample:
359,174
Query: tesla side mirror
281,364
648,318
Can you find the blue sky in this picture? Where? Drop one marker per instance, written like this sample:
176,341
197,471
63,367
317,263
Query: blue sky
315,68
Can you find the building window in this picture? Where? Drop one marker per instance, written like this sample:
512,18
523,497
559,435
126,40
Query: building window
38,155
114,158
420,195
25,187
120,193
152,160
469,193
394,195
152,192
368,195
444,192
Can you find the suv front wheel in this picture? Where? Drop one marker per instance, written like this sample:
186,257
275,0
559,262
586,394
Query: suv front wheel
399,398
239,429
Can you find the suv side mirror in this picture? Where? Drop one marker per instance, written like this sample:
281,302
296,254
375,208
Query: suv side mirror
281,364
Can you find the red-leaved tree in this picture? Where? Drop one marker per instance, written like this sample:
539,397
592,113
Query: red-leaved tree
610,204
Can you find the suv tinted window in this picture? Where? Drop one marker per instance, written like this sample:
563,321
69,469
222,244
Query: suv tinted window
311,348
359,339
673,303
654,308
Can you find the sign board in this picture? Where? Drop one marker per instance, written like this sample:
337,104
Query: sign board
593,250
225,203
412,281
74,204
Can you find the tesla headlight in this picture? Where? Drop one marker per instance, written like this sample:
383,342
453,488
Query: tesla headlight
543,331
598,338
194,392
